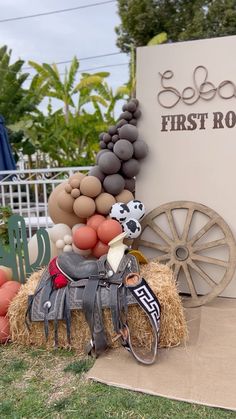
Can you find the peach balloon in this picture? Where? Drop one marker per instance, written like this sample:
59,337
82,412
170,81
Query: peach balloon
84,207
85,238
100,249
5,299
4,329
95,221
108,230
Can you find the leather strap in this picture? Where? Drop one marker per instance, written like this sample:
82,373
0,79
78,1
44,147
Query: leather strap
147,300
93,315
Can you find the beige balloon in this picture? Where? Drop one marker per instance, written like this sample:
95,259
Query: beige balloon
125,196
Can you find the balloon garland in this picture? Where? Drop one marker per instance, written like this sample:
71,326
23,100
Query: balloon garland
83,202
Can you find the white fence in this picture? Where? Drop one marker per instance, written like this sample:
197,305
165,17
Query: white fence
26,192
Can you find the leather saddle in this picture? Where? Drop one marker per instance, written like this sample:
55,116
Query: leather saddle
91,286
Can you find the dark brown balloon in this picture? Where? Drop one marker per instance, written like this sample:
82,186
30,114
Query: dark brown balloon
106,138
102,145
130,168
131,107
112,130
123,149
133,122
130,184
110,146
115,138
126,115
96,171
128,132
140,149
100,153
114,184
101,136
137,114
109,163
135,101
121,123
125,107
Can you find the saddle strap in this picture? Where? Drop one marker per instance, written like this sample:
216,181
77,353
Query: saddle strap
93,314
147,300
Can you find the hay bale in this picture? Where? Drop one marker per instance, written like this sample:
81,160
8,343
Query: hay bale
173,324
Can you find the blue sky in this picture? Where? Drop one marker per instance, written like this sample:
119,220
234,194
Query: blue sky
59,37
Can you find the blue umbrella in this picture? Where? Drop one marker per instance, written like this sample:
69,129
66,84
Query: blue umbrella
7,161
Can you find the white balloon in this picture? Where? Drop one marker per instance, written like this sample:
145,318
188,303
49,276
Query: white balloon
67,248
132,227
80,251
136,209
58,231
77,226
67,239
60,244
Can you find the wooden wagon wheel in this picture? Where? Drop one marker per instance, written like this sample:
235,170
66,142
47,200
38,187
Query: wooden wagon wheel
181,252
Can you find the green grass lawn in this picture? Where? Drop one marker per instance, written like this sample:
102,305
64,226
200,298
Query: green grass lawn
35,383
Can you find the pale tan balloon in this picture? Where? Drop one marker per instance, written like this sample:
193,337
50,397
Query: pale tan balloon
125,196
75,179
104,203
33,248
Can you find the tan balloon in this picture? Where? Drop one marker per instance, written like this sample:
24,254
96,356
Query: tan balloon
75,179
125,196
84,207
65,201
68,188
90,186
56,213
75,193
104,203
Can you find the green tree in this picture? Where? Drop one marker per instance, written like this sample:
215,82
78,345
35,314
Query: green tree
69,136
182,20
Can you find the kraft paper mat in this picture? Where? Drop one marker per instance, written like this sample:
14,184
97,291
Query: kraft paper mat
203,371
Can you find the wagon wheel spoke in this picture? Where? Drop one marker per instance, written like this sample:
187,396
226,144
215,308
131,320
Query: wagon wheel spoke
203,274
212,261
209,245
187,224
176,271
163,257
172,224
152,245
191,285
160,232
203,230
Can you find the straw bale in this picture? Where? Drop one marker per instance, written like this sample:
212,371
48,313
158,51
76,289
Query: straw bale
173,324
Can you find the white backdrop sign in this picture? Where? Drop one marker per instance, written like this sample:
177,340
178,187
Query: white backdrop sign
187,94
